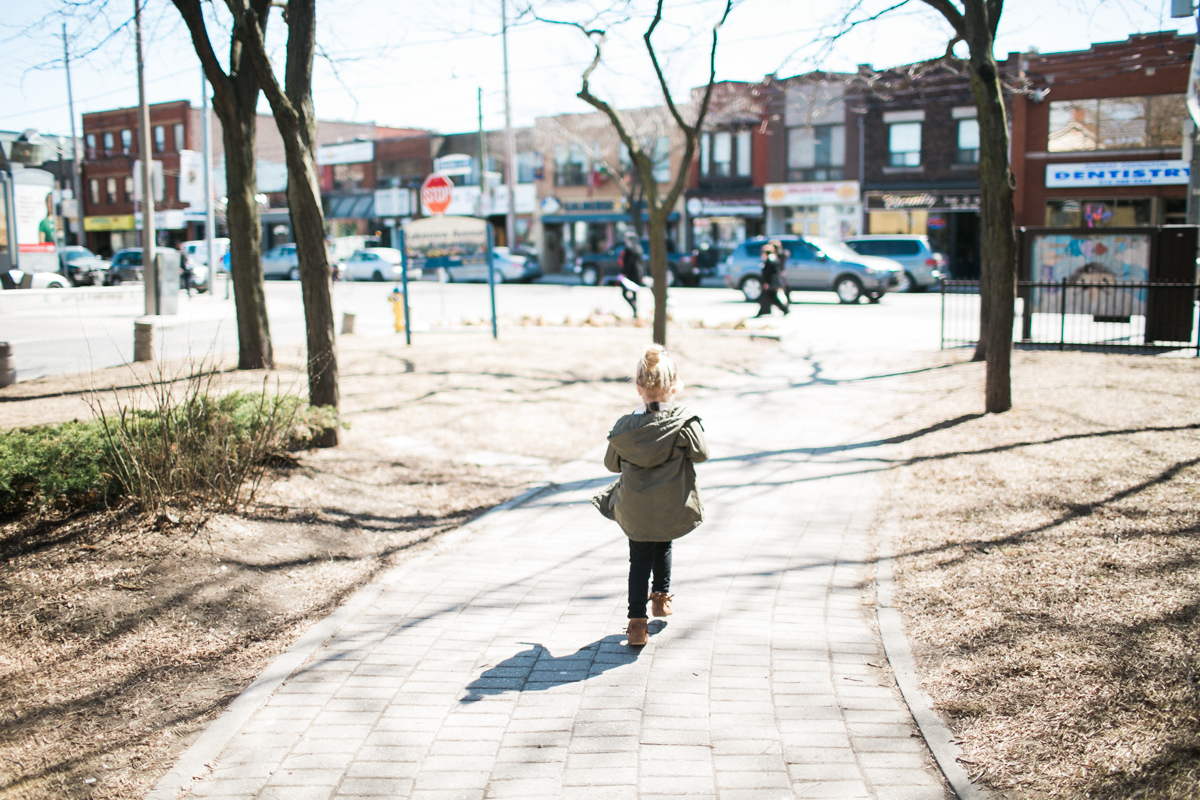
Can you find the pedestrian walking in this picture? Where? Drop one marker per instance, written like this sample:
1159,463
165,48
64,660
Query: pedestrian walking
631,271
656,500
772,278
186,272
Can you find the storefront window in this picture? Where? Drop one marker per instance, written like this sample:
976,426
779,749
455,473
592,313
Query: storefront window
832,221
1124,212
904,144
1116,123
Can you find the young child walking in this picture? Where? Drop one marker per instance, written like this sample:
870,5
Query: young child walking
655,501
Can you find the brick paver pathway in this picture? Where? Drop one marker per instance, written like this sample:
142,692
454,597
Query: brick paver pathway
495,669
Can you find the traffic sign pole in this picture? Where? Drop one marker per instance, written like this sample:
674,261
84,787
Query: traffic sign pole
404,283
492,279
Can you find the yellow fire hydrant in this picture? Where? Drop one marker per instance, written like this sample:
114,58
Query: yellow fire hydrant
397,301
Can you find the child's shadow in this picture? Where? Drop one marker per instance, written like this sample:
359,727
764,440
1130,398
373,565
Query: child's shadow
536,669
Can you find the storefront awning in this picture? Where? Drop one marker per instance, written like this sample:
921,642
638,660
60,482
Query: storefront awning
549,219
351,206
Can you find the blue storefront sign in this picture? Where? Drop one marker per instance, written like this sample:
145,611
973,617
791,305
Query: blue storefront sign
1117,173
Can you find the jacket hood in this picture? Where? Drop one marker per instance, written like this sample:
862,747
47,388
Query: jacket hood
648,440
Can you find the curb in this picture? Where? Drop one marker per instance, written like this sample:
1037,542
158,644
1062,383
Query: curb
196,761
937,735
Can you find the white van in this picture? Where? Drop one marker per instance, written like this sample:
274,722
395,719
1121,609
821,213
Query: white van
198,250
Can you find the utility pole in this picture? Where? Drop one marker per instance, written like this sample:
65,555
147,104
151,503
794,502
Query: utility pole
77,183
145,137
483,157
210,217
510,155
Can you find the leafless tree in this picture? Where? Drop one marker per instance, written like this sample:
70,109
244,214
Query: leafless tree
659,204
292,106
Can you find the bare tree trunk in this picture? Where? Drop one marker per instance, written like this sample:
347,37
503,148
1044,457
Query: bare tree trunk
997,289
658,268
294,116
245,241
235,101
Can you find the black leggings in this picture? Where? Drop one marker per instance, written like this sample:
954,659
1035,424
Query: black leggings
645,558
768,298
630,297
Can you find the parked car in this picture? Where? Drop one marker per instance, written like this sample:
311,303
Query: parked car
595,269
16,279
508,268
531,269
126,267
81,266
923,267
281,262
814,263
197,249
373,264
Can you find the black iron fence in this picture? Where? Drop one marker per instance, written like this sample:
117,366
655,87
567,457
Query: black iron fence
1083,316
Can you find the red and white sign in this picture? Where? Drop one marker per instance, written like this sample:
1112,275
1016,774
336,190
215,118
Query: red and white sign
436,193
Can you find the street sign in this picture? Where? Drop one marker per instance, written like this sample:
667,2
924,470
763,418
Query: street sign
436,193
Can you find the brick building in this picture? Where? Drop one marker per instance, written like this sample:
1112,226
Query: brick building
1097,139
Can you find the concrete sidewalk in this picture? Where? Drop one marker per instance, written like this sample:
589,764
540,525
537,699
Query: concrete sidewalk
495,667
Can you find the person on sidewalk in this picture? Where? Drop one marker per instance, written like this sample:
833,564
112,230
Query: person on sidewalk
772,278
631,271
655,501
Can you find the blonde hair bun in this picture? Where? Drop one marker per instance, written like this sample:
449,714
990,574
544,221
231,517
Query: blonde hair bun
657,375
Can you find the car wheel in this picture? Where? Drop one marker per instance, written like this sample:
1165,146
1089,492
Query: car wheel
907,283
848,290
377,276
497,276
590,276
294,274
751,287
115,281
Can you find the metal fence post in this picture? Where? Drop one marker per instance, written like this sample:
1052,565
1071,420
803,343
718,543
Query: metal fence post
1062,315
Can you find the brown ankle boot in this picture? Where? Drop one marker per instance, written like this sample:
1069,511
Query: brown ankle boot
660,604
637,633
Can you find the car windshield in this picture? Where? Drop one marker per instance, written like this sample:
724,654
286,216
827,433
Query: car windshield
128,259
832,248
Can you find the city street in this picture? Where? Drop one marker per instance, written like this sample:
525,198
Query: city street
56,343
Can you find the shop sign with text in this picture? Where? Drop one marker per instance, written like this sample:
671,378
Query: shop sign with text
1117,173
816,193
923,201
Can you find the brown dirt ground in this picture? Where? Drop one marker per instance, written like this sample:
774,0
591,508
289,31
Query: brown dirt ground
1050,571
122,635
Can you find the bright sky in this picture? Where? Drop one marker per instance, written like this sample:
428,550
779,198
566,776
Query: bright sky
419,64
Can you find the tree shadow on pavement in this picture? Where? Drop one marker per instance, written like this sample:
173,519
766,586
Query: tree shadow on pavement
536,669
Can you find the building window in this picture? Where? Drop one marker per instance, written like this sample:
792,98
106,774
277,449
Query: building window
94,192
348,176
817,153
705,154
968,142
529,167
90,144
570,165
126,142
128,188
180,144
160,138
110,191
108,143
722,154
743,154
1116,123
1122,212
904,144
662,160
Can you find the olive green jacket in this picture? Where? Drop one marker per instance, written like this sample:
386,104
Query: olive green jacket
656,498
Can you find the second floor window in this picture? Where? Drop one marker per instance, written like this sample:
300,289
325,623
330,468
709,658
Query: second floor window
128,188
725,154
110,191
180,144
817,153
94,192
1116,123
968,142
529,167
160,138
126,141
570,165
904,144
108,143
90,144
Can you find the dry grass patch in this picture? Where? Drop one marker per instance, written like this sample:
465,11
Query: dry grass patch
1051,576
122,634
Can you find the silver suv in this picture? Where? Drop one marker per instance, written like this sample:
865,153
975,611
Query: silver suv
923,268
814,263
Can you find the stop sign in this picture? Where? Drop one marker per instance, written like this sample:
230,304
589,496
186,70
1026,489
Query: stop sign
435,193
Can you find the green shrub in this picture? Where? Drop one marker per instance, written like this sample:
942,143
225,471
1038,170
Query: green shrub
54,465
